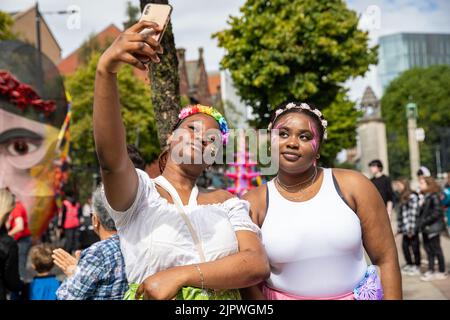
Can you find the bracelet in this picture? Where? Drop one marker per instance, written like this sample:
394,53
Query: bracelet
202,278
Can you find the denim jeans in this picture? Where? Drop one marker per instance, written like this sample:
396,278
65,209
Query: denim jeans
24,245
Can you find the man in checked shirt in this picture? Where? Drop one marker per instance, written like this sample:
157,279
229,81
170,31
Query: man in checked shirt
99,274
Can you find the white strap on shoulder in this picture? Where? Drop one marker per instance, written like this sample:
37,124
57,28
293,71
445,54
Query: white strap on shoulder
163,183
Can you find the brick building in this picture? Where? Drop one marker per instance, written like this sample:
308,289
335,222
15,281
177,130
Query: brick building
72,62
25,27
194,82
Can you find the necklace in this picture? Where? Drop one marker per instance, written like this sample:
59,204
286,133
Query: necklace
289,188
286,188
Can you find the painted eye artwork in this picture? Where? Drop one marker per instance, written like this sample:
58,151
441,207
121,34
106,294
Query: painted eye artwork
33,121
22,147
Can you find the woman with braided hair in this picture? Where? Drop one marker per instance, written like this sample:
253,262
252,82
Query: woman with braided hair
316,222
176,241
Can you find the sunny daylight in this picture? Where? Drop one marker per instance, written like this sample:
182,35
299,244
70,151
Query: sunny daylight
244,150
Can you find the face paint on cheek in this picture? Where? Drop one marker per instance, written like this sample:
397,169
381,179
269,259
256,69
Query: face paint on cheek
315,140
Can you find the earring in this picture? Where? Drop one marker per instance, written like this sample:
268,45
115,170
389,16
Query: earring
213,151
318,156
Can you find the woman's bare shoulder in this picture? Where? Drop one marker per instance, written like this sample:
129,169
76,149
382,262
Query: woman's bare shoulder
350,177
254,195
257,199
216,195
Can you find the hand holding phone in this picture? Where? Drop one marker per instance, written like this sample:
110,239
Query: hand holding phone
159,14
133,48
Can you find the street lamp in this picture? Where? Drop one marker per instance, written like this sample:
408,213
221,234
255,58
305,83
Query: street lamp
38,36
38,22
414,154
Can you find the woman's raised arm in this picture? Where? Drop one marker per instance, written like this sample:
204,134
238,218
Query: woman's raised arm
118,173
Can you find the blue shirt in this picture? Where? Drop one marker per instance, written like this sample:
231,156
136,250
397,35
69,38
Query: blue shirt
100,274
44,288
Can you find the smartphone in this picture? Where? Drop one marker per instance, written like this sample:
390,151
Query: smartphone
159,14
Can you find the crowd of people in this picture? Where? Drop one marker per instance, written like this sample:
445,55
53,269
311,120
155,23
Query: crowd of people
303,235
423,214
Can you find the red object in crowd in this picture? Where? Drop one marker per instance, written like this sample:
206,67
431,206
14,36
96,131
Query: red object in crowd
71,220
19,212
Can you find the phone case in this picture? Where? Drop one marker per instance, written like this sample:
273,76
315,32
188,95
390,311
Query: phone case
158,13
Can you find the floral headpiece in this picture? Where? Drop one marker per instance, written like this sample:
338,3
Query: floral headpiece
198,108
302,106
22,95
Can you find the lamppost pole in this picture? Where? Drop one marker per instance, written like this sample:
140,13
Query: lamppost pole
38,22
38,28
414,153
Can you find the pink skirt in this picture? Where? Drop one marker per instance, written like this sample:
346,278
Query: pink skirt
272,294
369,288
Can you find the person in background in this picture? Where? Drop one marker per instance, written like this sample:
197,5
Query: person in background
99,272
18,228
87,233
408,213
431,223
44,284
445,201
70,223
383,184
423,172
9,259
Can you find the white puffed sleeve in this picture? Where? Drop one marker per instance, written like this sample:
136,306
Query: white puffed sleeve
145,191
238,214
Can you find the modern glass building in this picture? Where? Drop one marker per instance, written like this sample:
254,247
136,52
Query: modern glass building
402,51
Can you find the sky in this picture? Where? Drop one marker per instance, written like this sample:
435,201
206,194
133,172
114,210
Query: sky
194,21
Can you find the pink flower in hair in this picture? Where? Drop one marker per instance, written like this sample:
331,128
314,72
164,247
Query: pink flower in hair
185,112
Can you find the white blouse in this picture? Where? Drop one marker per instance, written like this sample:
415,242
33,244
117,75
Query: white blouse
154,236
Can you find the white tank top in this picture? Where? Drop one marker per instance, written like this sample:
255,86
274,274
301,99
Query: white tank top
314,247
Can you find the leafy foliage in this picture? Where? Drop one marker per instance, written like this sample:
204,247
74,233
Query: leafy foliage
6,23
429,89
137,112
133,13
298,50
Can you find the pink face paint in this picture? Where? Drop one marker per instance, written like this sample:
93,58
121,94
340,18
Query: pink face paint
315,139
280,125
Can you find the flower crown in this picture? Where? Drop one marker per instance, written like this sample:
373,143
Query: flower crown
302,106
198,108
23,95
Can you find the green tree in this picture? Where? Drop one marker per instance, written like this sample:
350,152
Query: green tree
91,46
429,89
132,13
137,113
6,23
298,50
164,81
